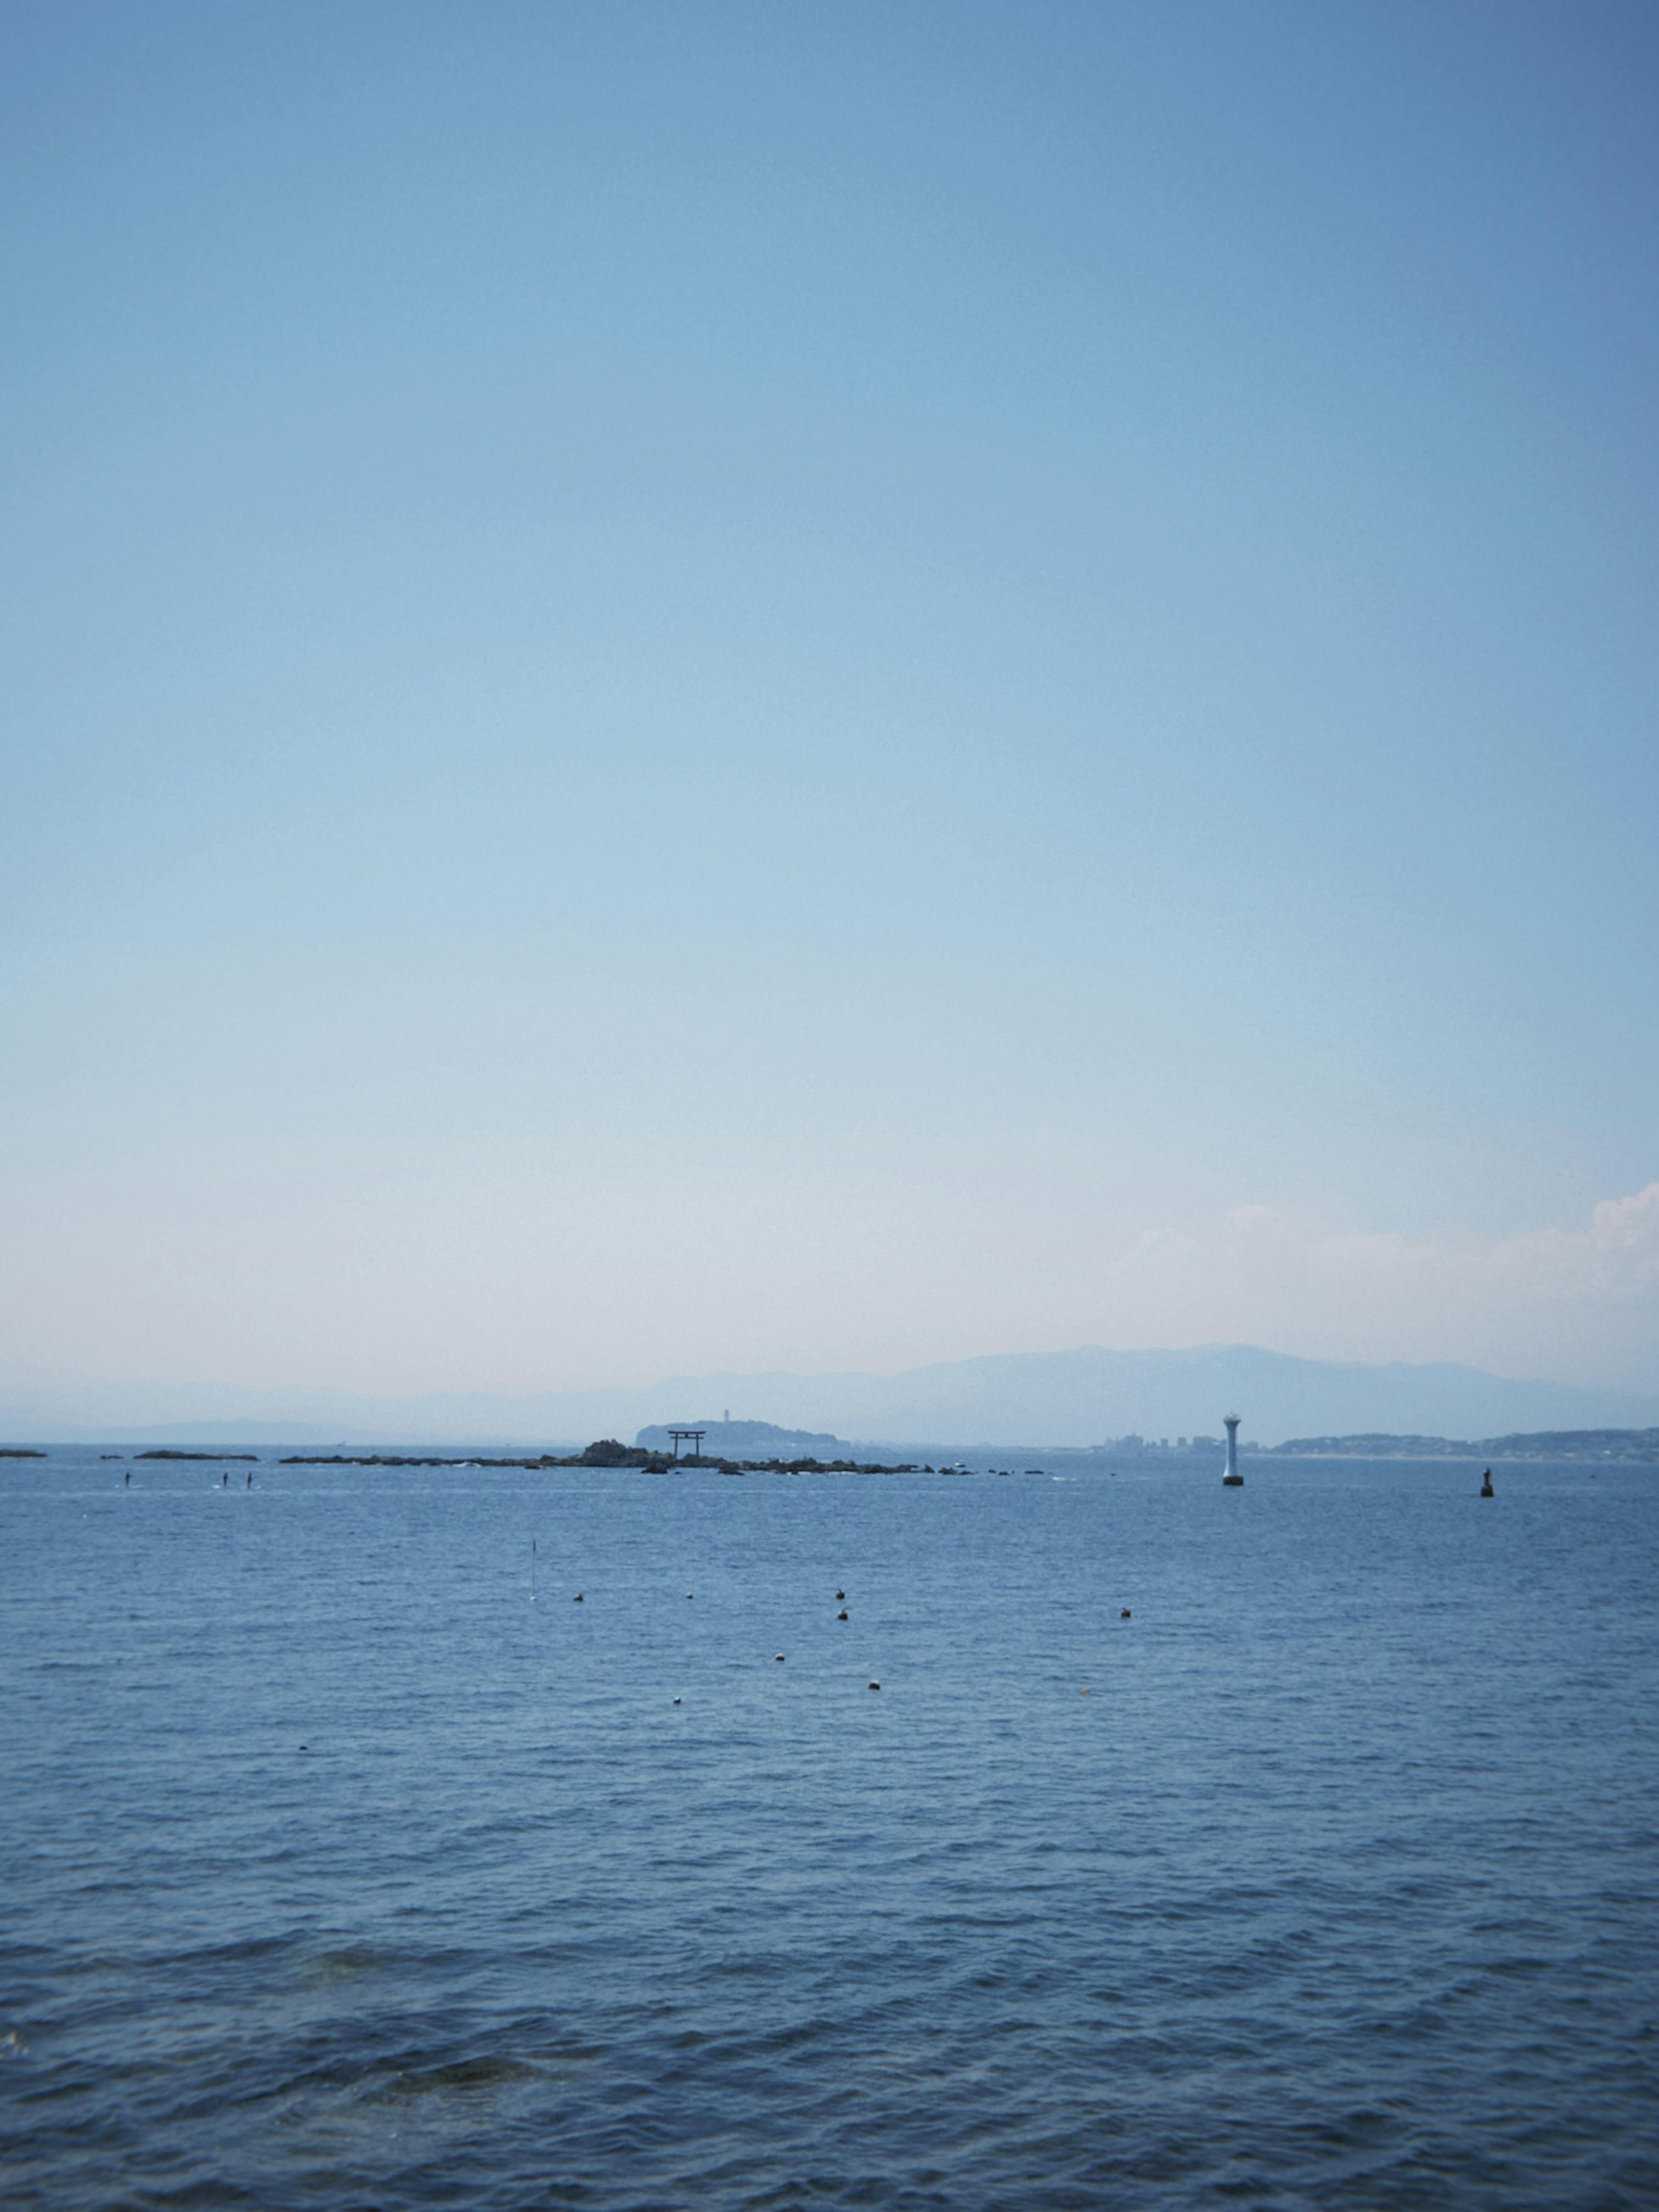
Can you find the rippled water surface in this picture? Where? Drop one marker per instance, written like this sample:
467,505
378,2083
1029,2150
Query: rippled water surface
338,1872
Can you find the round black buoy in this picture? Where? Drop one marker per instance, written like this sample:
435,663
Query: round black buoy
875,1686
840,1594
577,1599
842,1615
780,1656
1124,1615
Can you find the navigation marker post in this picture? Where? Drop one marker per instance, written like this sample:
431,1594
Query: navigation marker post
1232,1479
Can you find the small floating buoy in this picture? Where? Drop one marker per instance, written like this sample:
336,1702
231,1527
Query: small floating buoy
1124,1615
577,1599
1083,1693
676,1701
779,1658
875,1686
689,1592
840,1594
842,1615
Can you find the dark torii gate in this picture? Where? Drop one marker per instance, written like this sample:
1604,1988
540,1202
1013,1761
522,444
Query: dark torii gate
693,1437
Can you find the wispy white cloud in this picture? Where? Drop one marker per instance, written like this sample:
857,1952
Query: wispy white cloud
1569,1302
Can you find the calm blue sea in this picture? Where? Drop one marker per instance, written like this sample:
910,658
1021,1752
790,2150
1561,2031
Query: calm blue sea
337,1872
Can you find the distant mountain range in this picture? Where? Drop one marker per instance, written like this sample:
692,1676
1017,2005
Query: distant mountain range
1036,1398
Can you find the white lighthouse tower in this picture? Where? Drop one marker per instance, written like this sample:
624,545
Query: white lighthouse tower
1230,1421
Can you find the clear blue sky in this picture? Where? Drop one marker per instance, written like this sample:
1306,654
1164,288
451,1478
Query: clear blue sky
827,685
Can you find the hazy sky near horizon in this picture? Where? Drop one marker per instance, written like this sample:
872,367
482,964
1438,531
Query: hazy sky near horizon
821,686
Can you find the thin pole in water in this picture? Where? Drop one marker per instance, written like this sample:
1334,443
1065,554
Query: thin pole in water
532,1570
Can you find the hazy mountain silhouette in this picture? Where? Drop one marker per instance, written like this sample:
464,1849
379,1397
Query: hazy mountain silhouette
1076,1397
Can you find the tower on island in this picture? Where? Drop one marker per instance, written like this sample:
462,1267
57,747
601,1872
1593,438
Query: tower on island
1232,1477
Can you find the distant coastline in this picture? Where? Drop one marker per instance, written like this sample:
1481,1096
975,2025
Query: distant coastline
1619,1444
